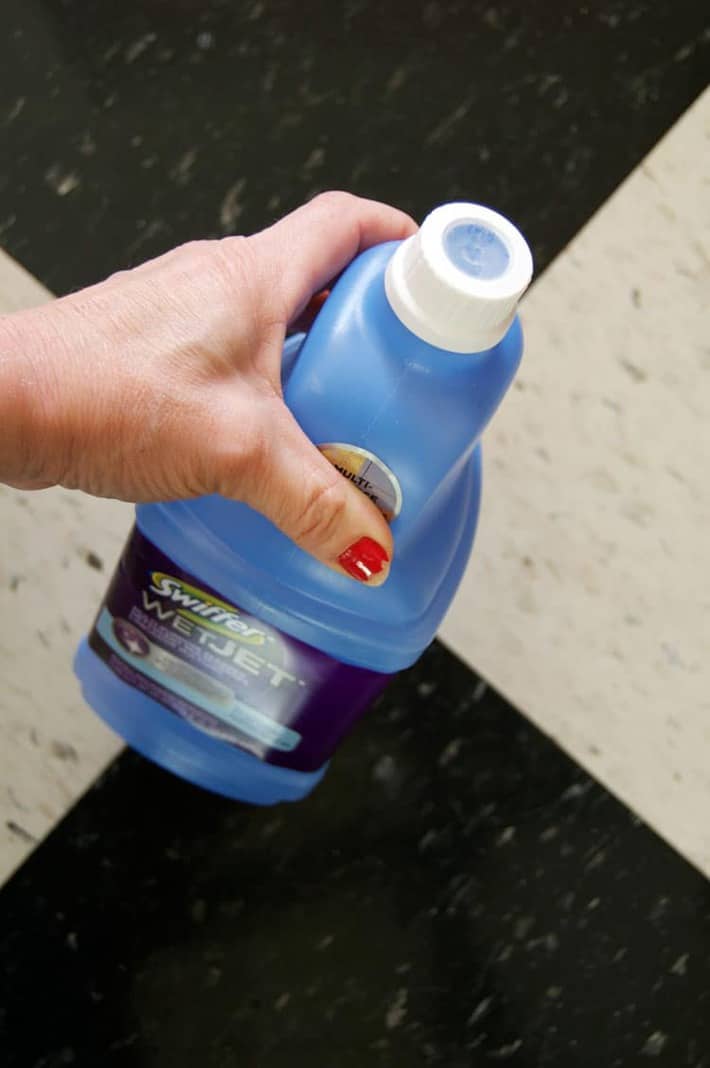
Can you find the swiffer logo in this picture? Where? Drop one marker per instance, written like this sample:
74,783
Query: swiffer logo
203,608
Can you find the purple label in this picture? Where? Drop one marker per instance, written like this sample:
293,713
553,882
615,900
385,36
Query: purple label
161,630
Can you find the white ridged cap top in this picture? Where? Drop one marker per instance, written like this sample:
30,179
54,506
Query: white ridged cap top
456,283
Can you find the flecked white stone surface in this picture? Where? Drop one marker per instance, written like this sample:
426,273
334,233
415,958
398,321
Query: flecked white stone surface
18,288
587,601
52,547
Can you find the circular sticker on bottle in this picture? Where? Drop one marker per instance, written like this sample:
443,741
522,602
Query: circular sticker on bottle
371,476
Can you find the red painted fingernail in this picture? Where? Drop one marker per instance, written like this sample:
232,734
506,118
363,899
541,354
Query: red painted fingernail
364,559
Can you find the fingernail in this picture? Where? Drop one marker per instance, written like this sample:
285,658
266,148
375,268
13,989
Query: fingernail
364,560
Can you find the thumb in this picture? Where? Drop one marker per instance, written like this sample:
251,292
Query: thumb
303,494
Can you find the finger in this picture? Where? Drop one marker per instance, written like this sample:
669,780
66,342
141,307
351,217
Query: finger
301,253
302,493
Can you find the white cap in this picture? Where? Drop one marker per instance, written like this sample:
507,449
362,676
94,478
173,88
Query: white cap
456,283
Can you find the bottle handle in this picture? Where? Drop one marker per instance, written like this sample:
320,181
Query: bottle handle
294,343
289,355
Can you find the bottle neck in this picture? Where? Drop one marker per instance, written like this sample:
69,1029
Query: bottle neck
437,314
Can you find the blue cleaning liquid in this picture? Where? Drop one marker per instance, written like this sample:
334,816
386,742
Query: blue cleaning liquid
229,656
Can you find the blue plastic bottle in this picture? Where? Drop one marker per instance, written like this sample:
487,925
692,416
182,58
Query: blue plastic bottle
226,654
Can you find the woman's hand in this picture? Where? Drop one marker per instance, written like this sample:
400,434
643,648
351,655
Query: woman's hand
163,382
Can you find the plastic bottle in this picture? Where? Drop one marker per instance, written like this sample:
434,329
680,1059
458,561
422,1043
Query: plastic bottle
225,653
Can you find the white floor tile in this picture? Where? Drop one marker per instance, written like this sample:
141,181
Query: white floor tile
51,745
587,601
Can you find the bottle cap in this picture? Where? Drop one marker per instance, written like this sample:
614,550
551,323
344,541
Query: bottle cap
456,283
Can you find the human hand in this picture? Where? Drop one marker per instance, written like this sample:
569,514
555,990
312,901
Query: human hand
163,382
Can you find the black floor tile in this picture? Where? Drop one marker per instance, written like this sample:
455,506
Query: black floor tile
127,126
456,893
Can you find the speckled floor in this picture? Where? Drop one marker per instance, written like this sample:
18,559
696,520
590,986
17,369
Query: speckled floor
459,891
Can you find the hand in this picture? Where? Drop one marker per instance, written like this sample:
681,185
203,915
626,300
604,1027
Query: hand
163,382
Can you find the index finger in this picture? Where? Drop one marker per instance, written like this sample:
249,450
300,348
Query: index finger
305,250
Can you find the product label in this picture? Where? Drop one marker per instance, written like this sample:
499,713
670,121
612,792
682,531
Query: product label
371,476
228,674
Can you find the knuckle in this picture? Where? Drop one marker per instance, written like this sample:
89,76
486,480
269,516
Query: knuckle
235,254
187,264
236,262
195,251
334,200
119,276
322,511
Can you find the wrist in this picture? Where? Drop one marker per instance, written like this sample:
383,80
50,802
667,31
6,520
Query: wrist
31,439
